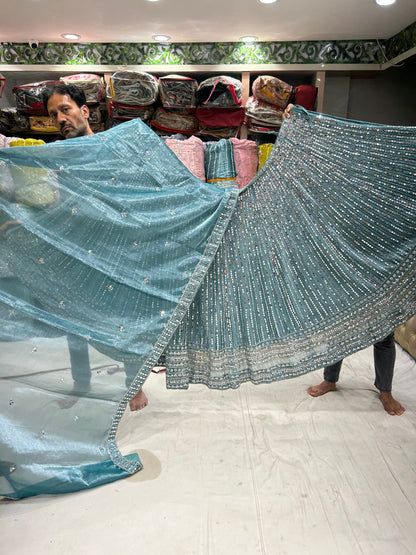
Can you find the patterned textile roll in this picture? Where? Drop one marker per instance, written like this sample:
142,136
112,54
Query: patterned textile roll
246,160
219,161
191,153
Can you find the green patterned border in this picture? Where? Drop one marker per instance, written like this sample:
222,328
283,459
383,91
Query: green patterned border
313,52
402,42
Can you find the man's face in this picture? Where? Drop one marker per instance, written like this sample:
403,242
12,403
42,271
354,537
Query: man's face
68,117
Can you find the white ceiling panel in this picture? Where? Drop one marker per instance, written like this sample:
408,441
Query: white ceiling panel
197,21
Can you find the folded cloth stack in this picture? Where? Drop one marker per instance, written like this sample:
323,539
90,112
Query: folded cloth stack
246,160
191,152
219,113
262,116
220,163
270,97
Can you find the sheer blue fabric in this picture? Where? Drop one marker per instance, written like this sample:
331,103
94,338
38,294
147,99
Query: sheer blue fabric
111,239
115,253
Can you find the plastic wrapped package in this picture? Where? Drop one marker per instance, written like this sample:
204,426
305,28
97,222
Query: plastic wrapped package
259,112
43,124
12,120
29,98
220,91
272,90
179,121
177,91
133,87
191,152
91,84
126,112
98,114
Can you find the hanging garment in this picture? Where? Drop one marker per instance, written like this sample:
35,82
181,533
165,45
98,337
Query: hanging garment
313,260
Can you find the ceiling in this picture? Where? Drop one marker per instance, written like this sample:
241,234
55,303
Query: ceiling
198,21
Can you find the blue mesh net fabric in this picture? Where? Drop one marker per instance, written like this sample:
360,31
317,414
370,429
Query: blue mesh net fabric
113,247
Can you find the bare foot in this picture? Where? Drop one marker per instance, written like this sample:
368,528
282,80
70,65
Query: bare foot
139,401
321,389
390,404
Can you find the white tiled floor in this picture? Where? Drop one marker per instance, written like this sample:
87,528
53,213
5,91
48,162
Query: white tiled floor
260,470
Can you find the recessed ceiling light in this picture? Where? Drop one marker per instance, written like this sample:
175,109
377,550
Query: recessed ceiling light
267,1
71,36
249,39
385,2
161,38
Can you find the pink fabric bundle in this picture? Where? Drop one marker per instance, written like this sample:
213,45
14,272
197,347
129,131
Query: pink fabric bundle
191,152
246,160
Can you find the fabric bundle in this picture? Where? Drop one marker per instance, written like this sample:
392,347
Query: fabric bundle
12,120
91,84
272,90
133,87
191,152
305,96
263,152
29,98
219,113
246,160
220,91
312,261
174,121
262,116
220,163
177,91
43,124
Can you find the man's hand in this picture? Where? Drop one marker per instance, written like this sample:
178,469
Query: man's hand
286,113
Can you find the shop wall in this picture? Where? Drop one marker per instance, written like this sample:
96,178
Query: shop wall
388,97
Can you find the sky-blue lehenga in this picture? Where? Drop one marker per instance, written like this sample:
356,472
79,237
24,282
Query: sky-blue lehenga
118,245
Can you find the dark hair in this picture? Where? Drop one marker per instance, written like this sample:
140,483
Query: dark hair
75,93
